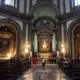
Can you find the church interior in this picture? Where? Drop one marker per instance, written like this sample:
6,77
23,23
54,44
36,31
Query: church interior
44,40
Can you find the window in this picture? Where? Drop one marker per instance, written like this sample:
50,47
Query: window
77,2
10,2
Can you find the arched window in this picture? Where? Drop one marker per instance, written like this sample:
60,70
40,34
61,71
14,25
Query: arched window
77,2
10,2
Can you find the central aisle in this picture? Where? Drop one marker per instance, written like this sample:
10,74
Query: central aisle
50,72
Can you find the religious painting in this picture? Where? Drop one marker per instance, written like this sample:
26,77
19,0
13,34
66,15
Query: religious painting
44,46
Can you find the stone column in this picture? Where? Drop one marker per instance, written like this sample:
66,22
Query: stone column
27,32
21,7
62,33
28,11
35,43
54,43
27,26
29,6
73,53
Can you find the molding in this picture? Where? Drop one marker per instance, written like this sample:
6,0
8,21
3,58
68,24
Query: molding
43,1
68,16
44,17
74,23
12,12
39,6
53,6
71,29
12,24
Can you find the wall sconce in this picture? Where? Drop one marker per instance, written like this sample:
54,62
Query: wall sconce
58,55
9,55
27,49
63,50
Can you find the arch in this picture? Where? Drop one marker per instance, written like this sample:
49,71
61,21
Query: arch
53,6
45,9
46,33
71,35
44,18
12,27
72,24
45,12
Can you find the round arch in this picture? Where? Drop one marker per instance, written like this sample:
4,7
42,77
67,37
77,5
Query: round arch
44,18
10,32
37,32
74,26
44,9
53,6
45,12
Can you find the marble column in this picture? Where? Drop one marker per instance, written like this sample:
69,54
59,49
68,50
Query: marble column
54,43
28,11
35,43
28,25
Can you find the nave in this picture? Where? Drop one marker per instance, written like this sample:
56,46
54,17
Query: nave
49,72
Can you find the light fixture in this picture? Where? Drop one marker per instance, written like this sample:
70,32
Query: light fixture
63,50
62,45
9,55
58,55
26,48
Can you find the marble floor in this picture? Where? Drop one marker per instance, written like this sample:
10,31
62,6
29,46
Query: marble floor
50,72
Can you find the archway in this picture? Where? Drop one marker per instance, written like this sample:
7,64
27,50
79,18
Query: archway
9,39
77,40
45,29
45,37
74,39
